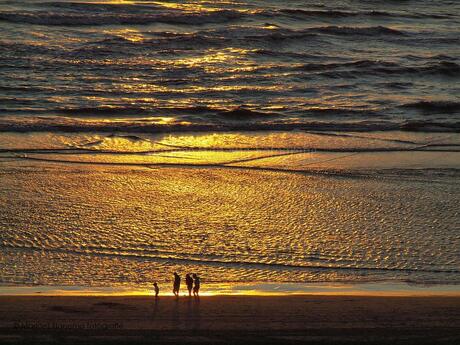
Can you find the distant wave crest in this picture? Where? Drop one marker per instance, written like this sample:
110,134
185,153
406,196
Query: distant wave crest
76,19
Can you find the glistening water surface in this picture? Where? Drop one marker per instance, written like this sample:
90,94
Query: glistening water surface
123,215
145,66
247,141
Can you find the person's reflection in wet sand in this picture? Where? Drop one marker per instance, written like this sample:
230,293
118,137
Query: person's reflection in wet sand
156,305
189,316
196,317
176,311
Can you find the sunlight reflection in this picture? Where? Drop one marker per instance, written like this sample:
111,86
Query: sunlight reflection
194,6
132,35
249,289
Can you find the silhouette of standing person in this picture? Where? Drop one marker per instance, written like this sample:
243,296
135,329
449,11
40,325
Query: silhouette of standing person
157,289
176,286
196,288
189,282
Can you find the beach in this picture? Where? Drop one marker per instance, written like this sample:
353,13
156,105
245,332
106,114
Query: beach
245,141
302,158
230,319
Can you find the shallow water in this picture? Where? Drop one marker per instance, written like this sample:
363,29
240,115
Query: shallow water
248,141
251,289
119,217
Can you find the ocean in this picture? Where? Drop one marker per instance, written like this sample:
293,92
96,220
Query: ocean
248,141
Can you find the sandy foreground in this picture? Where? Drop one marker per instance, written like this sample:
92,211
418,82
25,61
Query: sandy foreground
230,319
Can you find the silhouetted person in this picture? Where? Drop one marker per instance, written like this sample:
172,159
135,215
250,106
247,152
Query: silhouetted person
196,288
157,289
176,286
189,282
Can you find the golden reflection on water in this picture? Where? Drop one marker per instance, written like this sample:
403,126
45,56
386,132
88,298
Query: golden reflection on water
133,35
117,224
195,6
212,56
248,290
191,7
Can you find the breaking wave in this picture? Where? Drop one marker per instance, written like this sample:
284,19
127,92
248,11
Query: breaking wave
151,125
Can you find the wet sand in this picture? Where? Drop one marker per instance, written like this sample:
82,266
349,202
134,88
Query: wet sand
230,319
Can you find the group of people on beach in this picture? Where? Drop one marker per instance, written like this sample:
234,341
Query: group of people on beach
191,280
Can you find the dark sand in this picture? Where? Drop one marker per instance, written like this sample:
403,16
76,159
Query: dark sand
230,319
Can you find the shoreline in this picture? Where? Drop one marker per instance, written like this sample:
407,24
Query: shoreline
377,289
229,319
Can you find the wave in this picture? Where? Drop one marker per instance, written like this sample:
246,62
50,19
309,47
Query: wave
239,113
103,110
100,7
349,69
446,107
291,12
236,36
301,14
277,34
442,57
281,34
331,13
245,114
79,19
287,54
270,32
150,125
361,64
361,31
397,85
342,112
22,47
27,88
444,67
422,66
